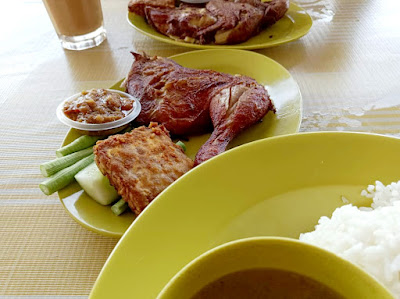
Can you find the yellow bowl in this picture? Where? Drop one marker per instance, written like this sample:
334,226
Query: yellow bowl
285,254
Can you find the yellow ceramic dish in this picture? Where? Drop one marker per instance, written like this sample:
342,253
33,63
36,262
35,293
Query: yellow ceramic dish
277,186
286,254
281,87
292,26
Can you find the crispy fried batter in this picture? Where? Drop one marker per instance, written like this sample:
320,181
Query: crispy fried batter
141,164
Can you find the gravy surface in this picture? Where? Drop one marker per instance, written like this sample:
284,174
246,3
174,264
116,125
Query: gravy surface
265,283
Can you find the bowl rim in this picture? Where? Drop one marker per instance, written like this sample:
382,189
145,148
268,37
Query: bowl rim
133,113
264,240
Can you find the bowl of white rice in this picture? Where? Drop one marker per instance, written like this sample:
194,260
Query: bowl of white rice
367,236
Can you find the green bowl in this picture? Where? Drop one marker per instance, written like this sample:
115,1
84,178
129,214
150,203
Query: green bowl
286,254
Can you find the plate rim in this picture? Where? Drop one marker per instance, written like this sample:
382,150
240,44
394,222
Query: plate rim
84,224
242,52
264,45
120,244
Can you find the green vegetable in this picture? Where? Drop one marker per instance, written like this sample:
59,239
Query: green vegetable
65,176
182,145
78,144
54,166
119,207
96,185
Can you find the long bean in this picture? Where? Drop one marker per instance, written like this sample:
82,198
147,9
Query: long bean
65,176
119,207
182,145
78,144
54,166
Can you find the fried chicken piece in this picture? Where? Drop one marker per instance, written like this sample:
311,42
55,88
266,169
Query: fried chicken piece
187,100
175,96
189,23
141,164
138,6
274,11
232,110
219,21
237,21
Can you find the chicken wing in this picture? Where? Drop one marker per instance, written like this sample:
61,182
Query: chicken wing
232,110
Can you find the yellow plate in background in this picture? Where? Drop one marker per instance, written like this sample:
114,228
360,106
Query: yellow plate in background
292,26
282,88
273,187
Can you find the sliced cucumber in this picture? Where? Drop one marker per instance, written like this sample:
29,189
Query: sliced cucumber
65,176
96,185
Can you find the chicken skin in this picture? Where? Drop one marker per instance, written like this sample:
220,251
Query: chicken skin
189,101
217,22
177,97
232,110
138,6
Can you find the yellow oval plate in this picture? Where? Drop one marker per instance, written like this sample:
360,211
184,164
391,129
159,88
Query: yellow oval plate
278,186
292,26
281,87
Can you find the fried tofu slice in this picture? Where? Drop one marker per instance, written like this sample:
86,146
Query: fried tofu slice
142,163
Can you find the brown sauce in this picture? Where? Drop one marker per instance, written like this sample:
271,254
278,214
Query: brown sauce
264,283
98,106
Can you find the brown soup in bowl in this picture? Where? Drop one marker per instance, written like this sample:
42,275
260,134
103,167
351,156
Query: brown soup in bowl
271,267
265,283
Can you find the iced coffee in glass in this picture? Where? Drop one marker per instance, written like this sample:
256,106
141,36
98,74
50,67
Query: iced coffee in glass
78,23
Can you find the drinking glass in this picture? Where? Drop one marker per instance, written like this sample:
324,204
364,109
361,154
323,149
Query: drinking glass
78,23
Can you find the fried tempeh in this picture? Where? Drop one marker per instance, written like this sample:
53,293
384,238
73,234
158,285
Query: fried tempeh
141,164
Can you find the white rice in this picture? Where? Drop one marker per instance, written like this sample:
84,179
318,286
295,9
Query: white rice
368,237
